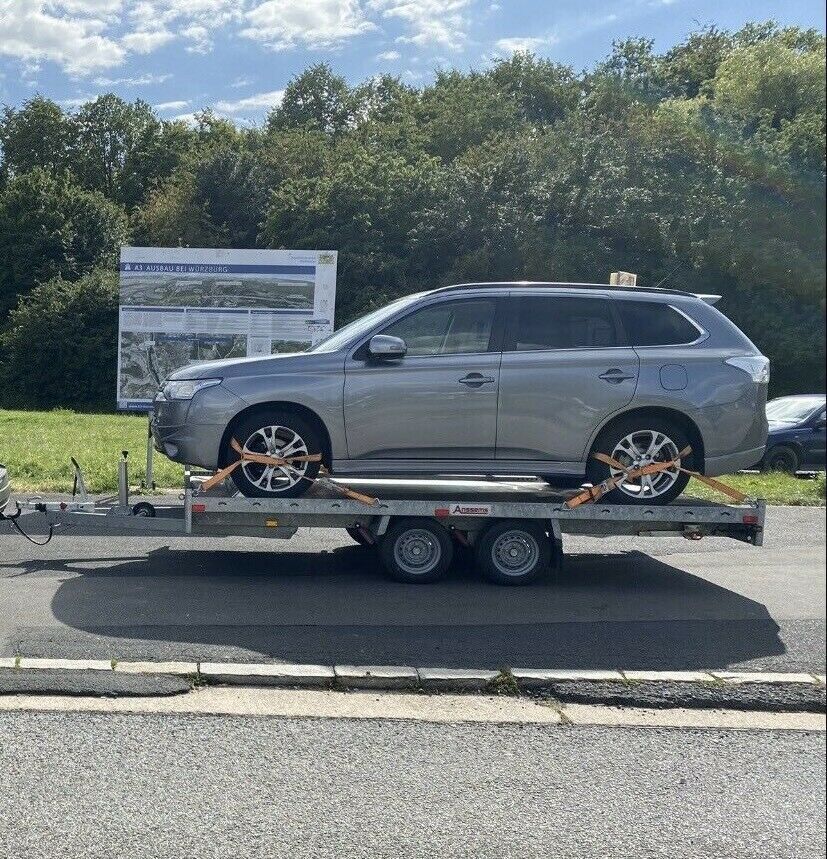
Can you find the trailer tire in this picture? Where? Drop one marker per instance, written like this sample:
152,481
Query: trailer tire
513,552
416,551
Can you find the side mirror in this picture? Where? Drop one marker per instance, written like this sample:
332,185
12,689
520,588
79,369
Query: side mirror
821,424
385,347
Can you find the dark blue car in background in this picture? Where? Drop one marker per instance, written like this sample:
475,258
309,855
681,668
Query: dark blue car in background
796,440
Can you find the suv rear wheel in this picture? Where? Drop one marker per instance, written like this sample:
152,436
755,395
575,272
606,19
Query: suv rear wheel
636,442
276,433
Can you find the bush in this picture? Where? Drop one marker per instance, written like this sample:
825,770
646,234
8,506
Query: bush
59,346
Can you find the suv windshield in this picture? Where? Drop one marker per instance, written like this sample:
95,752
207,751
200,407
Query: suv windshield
354,330
792,410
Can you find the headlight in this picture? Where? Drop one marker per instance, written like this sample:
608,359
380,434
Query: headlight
186,389
756,366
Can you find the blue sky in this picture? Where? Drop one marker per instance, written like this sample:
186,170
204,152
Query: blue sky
236,56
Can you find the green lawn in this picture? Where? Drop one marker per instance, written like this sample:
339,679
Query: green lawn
36,447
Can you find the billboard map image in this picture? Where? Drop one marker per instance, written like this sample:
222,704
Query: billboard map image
180,306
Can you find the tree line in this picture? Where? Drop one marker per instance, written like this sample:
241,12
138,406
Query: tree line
701,168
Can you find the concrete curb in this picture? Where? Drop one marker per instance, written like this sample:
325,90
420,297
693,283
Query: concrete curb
400,676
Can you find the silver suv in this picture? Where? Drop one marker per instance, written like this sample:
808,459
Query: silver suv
488,378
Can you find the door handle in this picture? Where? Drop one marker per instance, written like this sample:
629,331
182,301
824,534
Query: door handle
615,376
475,380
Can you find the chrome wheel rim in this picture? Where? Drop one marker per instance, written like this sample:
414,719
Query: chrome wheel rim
644,447
515,553
275,441
417,551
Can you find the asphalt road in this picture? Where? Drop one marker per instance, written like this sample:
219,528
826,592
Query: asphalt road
320,598
202,786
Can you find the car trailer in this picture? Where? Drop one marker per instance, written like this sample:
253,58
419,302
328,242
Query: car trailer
514,530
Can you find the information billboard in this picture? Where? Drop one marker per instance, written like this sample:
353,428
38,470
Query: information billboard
180,306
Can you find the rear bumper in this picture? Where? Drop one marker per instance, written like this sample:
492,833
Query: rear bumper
732,462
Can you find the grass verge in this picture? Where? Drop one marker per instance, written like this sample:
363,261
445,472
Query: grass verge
36,446
774,488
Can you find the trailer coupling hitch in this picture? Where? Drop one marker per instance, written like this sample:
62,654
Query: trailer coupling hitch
12,518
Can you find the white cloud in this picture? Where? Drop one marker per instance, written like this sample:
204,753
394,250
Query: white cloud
438,22
149,14
198,38
92,7
171,105
284,24
389,55
139,80
189,118
146,41
240,82
253,103
33,30
513,44
77,101
197,20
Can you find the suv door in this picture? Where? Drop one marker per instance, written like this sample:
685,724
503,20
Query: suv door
440,400
564,370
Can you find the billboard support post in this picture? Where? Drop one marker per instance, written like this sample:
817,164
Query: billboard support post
149,480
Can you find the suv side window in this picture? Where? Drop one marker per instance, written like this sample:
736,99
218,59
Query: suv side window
649,323
560,322
447,328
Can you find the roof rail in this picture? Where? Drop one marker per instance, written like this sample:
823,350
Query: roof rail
561,285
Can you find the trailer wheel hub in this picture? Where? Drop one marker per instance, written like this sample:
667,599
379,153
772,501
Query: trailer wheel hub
417,551
515,553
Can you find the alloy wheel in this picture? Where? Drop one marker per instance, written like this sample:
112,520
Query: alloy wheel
644,447
275,441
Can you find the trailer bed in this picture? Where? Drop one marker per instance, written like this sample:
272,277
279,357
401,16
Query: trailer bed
465,506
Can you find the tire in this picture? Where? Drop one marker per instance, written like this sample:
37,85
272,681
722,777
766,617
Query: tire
781,457
660,488
357,536
416,551
272,431
513,552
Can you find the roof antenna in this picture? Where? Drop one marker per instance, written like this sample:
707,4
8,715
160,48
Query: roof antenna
664,279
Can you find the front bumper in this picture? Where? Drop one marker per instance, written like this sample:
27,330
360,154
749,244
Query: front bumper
191,431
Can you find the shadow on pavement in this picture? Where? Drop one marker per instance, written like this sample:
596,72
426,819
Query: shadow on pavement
626,610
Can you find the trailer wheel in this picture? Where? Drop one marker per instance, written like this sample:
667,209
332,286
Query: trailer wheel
416,551
513,552
145,509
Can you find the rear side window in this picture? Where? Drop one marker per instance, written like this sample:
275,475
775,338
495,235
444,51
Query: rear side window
652,324
550,322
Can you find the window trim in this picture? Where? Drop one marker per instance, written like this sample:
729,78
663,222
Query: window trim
495,341
703,334
510,339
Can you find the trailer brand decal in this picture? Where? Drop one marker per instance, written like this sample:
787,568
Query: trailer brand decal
464,510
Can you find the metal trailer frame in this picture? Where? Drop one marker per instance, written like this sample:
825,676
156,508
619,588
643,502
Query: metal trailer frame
465,517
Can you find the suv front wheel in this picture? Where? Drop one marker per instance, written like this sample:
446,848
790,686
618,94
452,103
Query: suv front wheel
275,433
635,442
